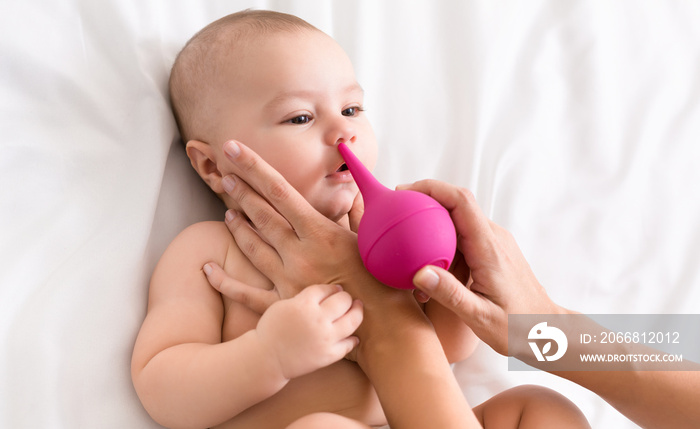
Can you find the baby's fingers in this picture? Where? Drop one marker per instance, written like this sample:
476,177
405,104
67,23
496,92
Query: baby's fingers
348,323
345,326
337,303
346,346
254,298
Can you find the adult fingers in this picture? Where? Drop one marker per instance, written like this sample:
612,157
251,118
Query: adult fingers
270,184
477,239
356,212
263,256
445,289
252,297
484,317
271,225
421,296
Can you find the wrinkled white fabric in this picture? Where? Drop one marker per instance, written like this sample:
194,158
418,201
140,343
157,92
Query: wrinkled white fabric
575,123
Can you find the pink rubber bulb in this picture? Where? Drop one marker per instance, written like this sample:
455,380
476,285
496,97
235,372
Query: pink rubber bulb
400,231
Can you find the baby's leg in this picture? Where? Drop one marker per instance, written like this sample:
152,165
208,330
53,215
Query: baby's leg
325,421
530,406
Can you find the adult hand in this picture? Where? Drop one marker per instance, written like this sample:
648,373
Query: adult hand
279,231
258,299
254,298
288,240
294,246
502,282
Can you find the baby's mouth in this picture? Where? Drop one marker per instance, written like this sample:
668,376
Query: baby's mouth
341,174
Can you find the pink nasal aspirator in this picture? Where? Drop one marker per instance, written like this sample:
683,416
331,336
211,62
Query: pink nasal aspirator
400,231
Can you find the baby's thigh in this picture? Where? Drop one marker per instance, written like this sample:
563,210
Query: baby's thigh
325,421
530,406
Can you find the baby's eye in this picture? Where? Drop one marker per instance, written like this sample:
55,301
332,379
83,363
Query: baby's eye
352,111
300,120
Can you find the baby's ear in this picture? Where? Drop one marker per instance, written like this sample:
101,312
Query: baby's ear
203,159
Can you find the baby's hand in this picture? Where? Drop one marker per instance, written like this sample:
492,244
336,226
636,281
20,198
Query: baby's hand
311,330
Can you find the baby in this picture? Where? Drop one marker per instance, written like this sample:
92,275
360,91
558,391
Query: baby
288,91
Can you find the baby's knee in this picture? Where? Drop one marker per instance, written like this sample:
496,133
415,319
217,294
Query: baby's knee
326,420
544,407
531,406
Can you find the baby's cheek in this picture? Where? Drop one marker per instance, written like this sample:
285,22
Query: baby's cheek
368,155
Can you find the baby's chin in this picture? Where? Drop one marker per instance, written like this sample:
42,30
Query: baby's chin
337,210
337,216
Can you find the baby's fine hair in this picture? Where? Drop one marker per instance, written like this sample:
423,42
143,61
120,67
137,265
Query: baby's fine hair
195,66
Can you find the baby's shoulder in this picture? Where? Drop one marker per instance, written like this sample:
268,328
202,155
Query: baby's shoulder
212,232
212,241
197,244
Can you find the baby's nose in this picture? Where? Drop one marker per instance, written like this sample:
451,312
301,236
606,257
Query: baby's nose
341,132
346,135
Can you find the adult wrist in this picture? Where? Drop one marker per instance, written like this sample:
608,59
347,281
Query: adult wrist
384,331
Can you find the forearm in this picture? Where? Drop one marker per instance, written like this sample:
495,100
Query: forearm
403,359
652,399
201,385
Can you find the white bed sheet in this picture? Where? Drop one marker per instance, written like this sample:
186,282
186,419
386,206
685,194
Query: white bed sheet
576,124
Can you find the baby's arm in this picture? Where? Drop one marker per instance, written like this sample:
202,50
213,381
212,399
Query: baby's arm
457,339
186,377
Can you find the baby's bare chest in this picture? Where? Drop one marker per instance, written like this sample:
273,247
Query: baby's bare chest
238,320
339,388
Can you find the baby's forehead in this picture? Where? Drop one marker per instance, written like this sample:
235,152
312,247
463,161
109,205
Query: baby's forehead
235,48
250,42
246,34
253,55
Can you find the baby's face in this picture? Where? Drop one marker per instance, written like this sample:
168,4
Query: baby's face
293,98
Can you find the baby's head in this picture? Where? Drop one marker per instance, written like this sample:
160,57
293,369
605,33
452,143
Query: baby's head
282,87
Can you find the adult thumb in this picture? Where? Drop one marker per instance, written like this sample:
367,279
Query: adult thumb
444,288
356,212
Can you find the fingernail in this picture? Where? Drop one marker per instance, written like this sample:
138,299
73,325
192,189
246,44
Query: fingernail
421,296
427,278
232,149
230,215
229,183
207,269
